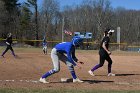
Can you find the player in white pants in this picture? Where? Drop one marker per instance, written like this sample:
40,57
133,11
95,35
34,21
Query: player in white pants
58,53
44,46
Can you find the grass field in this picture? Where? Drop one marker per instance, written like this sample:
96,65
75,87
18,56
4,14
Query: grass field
20,75
62,91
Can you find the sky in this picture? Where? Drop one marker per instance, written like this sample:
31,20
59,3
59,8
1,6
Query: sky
128,4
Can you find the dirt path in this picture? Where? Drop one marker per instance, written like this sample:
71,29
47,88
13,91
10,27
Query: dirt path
25,71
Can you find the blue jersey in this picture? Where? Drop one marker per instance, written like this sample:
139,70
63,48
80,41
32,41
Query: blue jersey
44,44
69,49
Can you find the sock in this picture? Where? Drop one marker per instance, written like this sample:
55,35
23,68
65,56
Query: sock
13,53
96,67
109,68
49,73
3,53
73,74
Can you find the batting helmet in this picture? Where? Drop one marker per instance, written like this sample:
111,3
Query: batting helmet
76,41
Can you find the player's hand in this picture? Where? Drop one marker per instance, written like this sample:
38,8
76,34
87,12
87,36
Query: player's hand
78,65
80,62
109,52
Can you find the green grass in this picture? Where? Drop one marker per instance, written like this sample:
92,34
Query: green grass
6,90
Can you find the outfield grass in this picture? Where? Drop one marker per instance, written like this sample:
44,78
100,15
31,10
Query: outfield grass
6,90
33,49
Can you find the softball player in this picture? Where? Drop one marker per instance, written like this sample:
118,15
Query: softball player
44,46
70,60
9,45
104,53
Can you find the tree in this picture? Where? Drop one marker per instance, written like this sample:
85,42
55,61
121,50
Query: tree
35,6
50,19
12,15
25,22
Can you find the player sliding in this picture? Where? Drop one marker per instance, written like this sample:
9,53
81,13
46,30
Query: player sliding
104,53
70,60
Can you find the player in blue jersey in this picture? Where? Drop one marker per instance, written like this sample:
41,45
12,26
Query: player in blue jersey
104,54
9,45
70,60
44,43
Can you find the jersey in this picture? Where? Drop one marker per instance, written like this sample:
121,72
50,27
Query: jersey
9,40
69,49
105,40
44,44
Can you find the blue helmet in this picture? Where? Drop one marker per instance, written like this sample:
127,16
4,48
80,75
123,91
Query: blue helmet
76,41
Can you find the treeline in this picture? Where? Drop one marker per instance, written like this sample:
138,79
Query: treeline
32,21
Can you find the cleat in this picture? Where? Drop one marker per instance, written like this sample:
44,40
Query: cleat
77,80
2,56
43,80
91,73
17,57
110,74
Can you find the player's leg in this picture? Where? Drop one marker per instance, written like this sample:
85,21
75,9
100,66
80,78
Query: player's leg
63,58
70,66
56,65
13,53
109,60
7,48
72,71
101,63
43,50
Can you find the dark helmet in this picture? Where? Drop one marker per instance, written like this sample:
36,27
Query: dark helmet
76,41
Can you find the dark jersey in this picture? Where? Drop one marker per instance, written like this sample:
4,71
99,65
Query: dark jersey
105,40
9,40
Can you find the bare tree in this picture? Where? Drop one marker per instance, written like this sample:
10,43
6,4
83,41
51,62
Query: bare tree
50,18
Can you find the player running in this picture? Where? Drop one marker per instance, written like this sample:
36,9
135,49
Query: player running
9,45
104,53
70,60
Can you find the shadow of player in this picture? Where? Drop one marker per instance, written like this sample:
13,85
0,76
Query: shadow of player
97,81
126,74
87,81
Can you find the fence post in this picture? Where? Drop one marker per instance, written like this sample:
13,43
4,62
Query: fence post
118,37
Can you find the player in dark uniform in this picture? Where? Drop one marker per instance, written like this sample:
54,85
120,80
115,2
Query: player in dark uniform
104,53
9,45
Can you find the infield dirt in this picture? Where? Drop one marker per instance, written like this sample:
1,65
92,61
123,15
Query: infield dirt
30,65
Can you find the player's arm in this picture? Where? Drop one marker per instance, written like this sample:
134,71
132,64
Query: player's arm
70,58
73,54
74,57
7,42
105,48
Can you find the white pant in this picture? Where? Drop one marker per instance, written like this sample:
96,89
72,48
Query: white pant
45,49
56,63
